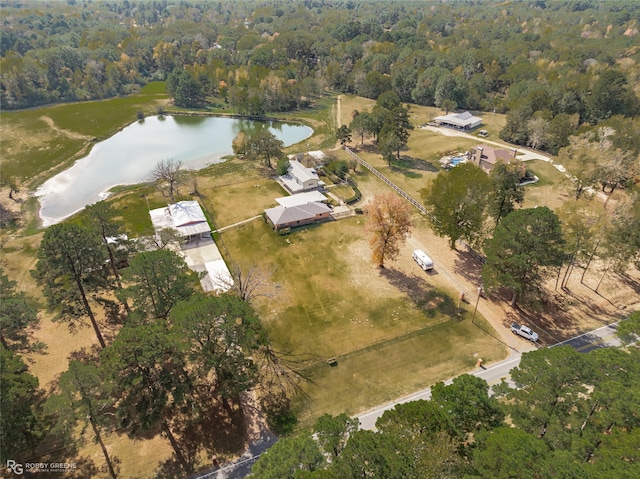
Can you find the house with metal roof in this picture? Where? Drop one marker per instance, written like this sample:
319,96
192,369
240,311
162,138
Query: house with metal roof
200,252
185,217
460,121
282,217
302,199
299,178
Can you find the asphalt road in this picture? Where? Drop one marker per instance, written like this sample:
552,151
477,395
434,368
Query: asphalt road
240,468
603,337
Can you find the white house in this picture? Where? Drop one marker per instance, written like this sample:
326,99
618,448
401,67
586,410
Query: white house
460,121
300,178
302,199
185,217
201,255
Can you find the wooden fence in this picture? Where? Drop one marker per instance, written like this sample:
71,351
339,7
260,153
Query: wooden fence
412,201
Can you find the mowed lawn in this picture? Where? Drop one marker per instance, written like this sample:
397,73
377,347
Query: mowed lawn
553,189
332,302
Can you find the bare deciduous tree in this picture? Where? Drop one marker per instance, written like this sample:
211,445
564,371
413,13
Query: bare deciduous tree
538,132
194,186
248,282
169,172
390,225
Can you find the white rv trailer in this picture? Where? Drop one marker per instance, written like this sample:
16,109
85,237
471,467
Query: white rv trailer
423,260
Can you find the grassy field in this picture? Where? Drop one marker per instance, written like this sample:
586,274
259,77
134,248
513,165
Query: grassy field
344,192
333,302
395,368
552,190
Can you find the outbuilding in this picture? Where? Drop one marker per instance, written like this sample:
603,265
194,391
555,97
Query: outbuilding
460,121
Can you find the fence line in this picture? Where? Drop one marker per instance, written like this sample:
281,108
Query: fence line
398,190
342,214
477,256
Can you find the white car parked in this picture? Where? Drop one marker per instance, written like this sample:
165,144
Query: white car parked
524,331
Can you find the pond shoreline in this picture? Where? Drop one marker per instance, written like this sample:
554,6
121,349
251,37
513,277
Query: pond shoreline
128,156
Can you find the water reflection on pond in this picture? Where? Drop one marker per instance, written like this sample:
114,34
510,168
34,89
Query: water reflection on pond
129,157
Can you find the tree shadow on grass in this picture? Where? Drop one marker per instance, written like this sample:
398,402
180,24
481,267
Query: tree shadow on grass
409,162
86,355
366,147
569,300
170,469
73,467
407,173
554,316
468,267
214,432
84,467
630,282
424,296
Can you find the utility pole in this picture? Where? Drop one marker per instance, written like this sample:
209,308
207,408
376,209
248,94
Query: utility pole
480,289
460,303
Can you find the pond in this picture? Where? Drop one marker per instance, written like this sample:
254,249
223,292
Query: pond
129,157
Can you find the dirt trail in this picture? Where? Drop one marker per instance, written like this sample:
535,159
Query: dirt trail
458,270
562,314
68,133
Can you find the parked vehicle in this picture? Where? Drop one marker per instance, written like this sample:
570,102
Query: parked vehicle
524,331
423,260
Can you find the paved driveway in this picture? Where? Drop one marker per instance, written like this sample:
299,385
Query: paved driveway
203,256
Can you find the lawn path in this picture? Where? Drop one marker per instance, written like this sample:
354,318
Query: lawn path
220,230
74,135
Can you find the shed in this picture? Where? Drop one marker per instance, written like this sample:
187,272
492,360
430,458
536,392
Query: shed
460,121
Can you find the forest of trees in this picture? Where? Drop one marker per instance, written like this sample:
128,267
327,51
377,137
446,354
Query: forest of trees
524,247
551,66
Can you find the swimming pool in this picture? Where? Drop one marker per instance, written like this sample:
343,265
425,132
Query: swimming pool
457,160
